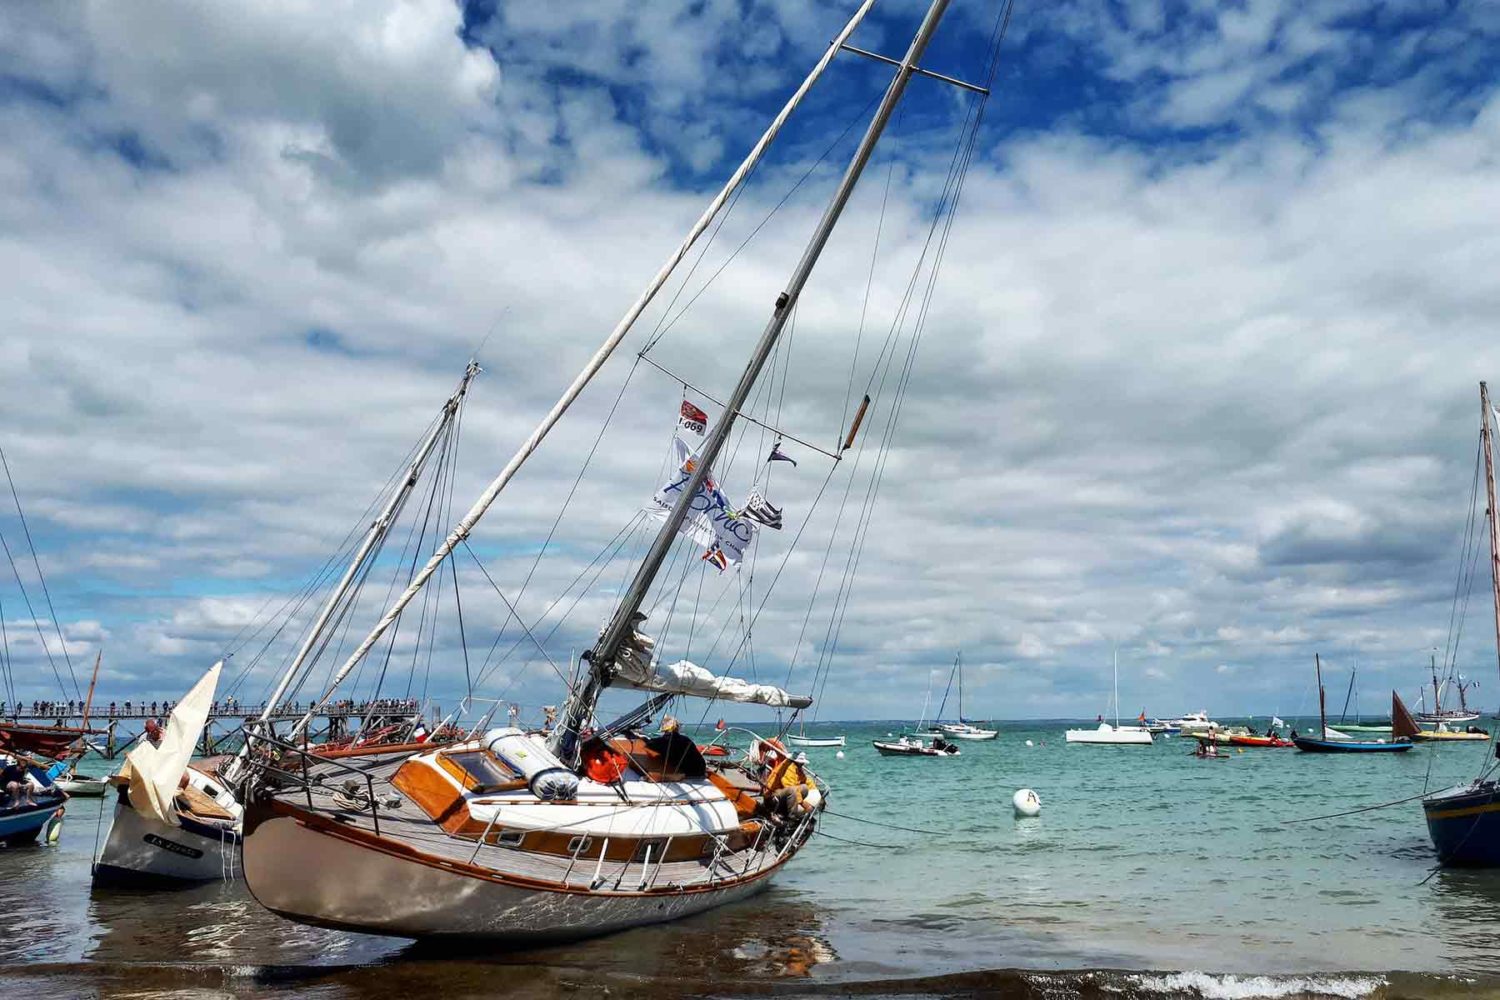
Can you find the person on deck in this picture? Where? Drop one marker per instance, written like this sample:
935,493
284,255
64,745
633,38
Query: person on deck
14,780
153,732
679,753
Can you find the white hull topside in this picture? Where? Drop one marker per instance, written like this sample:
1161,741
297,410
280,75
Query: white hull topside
1111,736
143,849
816,741
314,877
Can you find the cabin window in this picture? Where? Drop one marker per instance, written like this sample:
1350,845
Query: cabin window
653,847
480,770
510,838
579,845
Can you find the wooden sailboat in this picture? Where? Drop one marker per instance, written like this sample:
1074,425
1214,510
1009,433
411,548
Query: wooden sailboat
1329,741
521,835
1115,735
1464,820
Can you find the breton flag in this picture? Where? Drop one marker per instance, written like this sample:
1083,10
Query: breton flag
777,455
758,508
1277,722
693,418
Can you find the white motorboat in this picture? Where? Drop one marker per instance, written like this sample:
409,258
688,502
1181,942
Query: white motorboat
1113,735
912,746
1196,722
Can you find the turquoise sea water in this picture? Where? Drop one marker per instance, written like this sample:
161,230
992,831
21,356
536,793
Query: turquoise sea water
1143,859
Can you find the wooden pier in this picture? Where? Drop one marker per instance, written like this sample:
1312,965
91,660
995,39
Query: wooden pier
226,719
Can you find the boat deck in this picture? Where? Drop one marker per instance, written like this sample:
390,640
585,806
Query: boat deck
408,825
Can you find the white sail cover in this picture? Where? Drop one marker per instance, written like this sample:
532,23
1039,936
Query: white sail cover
688,678
155,772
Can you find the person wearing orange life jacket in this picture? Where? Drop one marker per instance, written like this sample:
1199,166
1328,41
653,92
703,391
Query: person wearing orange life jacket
788,792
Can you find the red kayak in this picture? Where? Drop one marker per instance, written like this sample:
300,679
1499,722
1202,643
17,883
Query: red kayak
1259,741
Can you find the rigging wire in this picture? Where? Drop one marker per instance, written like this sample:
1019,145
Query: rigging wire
656,337
26,529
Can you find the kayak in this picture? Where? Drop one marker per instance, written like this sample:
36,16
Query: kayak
1259,741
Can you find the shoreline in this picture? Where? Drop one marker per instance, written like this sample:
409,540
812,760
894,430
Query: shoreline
459,979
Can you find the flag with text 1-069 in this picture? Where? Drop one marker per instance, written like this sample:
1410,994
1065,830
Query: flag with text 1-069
692,418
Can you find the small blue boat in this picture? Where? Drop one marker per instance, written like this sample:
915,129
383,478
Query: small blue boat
24,822
1348,746
1403,727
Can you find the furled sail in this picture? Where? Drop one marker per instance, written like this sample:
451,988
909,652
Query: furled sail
634,668
155,772
688,678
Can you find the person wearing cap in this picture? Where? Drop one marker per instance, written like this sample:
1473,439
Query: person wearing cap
679,754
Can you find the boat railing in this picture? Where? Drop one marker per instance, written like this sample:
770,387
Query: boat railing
269,764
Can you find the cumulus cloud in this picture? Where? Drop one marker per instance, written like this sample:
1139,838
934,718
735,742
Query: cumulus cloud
1198,382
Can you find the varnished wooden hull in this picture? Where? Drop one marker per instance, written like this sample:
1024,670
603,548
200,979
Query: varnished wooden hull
304,869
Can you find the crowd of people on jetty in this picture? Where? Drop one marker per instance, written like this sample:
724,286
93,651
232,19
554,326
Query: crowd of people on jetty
228,706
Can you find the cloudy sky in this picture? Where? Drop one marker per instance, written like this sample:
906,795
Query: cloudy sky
1198,379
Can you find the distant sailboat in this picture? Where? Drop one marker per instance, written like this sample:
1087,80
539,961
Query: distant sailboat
1116,735
963,729
1440,715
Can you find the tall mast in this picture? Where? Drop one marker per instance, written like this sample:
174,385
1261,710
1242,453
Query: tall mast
466,524
1487,439
947,689
601,658
1437,697
1322,709
960,685
89,702
1347,695
373,537
1114,660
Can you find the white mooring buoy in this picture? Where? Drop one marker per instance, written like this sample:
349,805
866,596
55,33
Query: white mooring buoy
840,755
1026,803
1030,744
